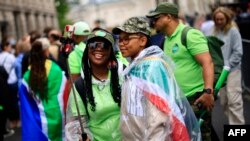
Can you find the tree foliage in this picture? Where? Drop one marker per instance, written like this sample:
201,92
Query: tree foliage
62,7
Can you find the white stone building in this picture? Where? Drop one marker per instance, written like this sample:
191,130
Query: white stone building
115,12
112,12
18,17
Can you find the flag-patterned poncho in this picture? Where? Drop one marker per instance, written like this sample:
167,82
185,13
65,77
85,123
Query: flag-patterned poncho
153,106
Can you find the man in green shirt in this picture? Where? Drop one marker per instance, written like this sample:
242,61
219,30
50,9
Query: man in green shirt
80,33
193,64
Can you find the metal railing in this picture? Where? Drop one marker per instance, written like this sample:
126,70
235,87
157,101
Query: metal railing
246,65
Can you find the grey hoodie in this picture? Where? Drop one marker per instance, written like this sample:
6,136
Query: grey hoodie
232,48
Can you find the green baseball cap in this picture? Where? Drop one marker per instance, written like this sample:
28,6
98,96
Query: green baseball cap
102,34
81,28
134,25
164,8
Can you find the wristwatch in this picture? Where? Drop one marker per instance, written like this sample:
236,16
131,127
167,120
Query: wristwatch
207,91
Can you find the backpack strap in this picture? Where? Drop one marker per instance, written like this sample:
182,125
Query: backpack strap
184,35
80,87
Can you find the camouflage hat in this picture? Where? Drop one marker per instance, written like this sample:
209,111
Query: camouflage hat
102,34
134,25
164,8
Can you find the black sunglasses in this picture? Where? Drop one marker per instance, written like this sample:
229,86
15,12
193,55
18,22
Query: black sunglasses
102,45
156,18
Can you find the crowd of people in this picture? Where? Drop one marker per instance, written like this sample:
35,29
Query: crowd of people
125,84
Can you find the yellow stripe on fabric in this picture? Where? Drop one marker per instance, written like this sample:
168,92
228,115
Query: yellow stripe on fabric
48,64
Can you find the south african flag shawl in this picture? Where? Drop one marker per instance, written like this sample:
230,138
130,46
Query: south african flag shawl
44,120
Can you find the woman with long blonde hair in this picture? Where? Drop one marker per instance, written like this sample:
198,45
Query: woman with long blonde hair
224,26
231,95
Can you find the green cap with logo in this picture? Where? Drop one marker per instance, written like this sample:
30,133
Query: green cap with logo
164,8
134,25
81,28
102,34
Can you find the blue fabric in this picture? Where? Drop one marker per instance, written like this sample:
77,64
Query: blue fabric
31,125
18,68
158,40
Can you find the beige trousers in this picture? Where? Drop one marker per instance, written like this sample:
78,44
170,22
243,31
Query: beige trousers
231,98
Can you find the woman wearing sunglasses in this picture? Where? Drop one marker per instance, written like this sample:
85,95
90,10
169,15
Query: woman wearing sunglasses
98,92
153,108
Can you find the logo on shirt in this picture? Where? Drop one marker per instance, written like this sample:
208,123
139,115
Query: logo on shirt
175,48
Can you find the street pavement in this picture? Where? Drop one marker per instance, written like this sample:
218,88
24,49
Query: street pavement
219,119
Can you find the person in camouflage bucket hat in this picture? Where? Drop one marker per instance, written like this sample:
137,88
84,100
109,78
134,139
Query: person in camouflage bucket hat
134,25
149,71
135,28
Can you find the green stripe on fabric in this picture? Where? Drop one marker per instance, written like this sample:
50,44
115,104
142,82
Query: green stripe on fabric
151,74
52,106
26,76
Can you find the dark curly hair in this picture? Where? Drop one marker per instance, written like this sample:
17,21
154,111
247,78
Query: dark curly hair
38,78
115,87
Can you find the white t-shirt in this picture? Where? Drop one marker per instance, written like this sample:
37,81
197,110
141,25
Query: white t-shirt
207,27
8,60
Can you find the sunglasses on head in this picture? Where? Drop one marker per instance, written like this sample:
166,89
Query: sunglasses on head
102,45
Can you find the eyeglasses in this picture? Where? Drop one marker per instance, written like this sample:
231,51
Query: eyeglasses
102,45
125,40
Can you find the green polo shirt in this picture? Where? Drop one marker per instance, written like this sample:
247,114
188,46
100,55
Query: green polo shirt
121,58
188,72
75,58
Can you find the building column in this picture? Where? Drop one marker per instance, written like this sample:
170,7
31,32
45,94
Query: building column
2,32
11,28
48,21
54,22
22,24
31,23
40,23
1,16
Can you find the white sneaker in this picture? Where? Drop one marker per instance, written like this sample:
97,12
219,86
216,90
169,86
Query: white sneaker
8,133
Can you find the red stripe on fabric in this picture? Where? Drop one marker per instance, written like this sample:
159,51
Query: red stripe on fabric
66,95
180,132
158,102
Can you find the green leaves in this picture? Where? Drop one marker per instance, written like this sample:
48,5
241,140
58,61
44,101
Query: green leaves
62,8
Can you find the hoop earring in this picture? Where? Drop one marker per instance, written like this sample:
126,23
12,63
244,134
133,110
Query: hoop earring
112,64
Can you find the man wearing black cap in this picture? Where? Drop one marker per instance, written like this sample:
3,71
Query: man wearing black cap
194,67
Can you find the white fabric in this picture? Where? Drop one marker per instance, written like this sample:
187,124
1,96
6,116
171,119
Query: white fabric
9,59
231,98
207,27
